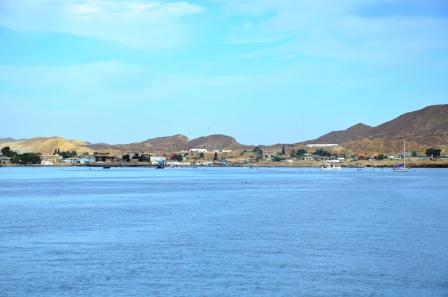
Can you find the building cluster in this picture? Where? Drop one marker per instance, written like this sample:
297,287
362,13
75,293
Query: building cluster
313,154
193,156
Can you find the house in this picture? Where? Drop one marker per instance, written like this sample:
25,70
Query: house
156,160
71,160
87,159
105,158
49,160
5,160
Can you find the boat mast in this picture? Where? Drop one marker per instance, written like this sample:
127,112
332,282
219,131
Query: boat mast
404,153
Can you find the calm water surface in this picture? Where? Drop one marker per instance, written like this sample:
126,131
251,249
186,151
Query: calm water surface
223,232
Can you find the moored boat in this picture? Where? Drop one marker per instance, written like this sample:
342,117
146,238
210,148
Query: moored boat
329,166
402,167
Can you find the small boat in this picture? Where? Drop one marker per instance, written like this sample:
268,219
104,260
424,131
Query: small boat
160,165
329,166
402,167
106,167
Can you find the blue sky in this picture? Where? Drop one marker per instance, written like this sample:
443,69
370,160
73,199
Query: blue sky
263,71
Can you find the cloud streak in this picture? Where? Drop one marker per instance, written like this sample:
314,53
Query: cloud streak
136,24
343,29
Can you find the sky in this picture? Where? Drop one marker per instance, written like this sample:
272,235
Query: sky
263,71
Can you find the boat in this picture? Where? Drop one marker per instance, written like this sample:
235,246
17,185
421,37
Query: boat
330,166
160,165
402,167
106,167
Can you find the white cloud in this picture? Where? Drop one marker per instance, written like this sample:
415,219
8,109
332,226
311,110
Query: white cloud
138,24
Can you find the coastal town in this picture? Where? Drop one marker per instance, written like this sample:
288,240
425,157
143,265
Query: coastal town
415,139
310,155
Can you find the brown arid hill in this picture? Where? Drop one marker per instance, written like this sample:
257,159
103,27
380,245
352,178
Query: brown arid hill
425,126
357,131
47,145
216,142
175,143
159,145
166,144
421,129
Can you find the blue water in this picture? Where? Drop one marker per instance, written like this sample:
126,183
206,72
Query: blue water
223,232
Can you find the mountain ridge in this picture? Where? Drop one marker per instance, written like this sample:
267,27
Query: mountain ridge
422,128
426,126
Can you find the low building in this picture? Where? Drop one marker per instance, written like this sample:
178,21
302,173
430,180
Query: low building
178,164
5,160
49,160
156,160
198,151
87,159
222,151
71,161
105,158
334,161
322,144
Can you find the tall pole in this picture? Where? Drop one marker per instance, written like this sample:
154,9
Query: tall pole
404,153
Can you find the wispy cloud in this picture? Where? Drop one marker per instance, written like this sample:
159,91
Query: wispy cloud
374,31
138,24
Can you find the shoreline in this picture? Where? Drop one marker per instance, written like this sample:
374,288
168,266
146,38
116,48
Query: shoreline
437,165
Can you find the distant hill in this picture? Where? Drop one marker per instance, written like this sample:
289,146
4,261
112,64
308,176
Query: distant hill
215,142
357,131
427,126
47,145
422,128
161,145
166,144
9,139
173,143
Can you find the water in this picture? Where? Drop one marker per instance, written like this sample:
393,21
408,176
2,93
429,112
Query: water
223,232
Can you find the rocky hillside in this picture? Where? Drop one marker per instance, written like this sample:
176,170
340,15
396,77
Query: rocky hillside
166,144
355,132
215,142
421,128
47,145
427,126
160,145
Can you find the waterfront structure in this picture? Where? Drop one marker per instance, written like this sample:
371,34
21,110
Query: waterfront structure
71,160
86,159
156,160
105,158
49,160
5,160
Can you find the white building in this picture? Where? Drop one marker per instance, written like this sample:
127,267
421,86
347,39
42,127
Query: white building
198,151
222,151
87,159
322,144
156,160
71,160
